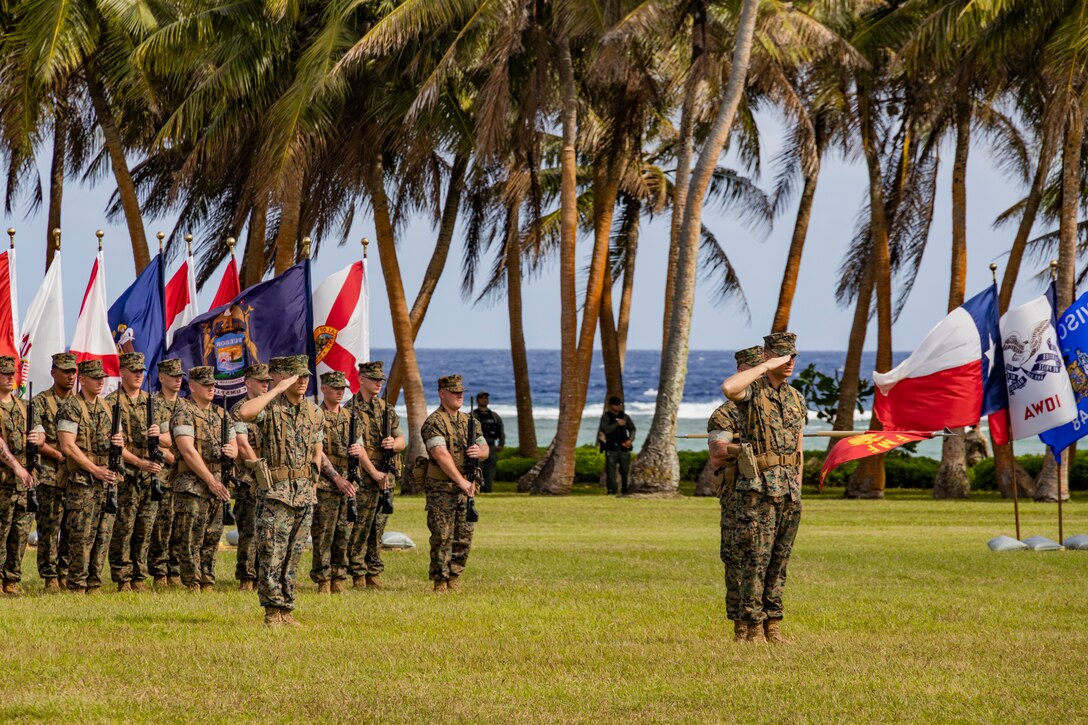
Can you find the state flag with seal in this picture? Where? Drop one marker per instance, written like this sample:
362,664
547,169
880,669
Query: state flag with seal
341,341
1073,341
869,443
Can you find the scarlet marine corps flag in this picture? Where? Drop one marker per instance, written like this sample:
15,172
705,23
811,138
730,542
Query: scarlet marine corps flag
870,443
340,323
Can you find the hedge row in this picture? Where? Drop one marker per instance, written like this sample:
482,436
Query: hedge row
903,469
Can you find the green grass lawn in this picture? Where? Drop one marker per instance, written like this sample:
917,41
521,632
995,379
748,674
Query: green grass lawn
592,609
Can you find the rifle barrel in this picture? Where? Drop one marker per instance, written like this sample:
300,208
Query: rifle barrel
946,433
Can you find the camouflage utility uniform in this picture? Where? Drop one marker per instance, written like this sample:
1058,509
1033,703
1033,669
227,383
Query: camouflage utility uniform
366,538
245,494
331,530
89,526
15,520
769,505
162,557
52,541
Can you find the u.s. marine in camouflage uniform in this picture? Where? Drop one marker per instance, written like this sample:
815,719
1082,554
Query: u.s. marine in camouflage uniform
162,557
15,480
445,432
724,433
245,493
199,492
52,541
768,503
365,552
136,512
331,529
83,429
291,431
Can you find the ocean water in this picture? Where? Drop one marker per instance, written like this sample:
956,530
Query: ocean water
491,370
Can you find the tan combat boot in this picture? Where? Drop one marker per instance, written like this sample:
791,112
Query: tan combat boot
440,586
374,582
207,588
755,634
452,584
173,581
124,587
193,588
138,586
272,617
93,591
323,587
12,589
288,619
336,586
62,582
51,586
740,631
358,582
245,585
772,629
158,582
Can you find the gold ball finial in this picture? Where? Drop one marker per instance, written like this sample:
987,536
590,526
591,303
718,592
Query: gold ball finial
160,236
366,243
11,237
100,234
231,241
306,242
56,239
189,244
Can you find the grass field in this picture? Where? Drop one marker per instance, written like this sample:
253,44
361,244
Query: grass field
591,609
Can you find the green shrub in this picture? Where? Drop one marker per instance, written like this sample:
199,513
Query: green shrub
588,464
512,467
692,464
906,471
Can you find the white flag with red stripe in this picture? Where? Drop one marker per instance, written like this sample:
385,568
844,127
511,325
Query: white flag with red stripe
341,327
180,299
9,308
92,339
43,329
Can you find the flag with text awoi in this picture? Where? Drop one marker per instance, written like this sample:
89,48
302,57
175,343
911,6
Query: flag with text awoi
267,320
1073,341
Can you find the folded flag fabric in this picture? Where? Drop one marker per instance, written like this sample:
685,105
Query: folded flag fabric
92,339
229,287
1040,394
1073,341
9,310
869,443
136,317
43,329
180,299
954,378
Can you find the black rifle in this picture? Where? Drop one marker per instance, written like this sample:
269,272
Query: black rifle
226,467
154,453
33,461
115,462
472,469
387,465
353,468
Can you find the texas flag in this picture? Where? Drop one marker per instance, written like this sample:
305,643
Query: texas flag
956,376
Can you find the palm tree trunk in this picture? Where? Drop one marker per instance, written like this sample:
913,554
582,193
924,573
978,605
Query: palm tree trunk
290,199
848,390
414,398
523,396
610,344
657,468
632,217
555,474
952,480
253,263
126,189
56,178
448,223
1051,483
793,260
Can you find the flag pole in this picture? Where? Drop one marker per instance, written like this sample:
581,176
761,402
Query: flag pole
1012,453
1062,470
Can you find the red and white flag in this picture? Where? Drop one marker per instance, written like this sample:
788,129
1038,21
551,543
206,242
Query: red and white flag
229,286
9,308
92,339
180,299
43,329
342,329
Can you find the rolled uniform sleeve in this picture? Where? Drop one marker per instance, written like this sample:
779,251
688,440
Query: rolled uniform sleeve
67,426
433,436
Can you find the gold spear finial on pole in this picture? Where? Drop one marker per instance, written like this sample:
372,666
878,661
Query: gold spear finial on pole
160,236
100,234
231,241
56,239
366,243
306,241
1053,269
11,237
189,244
993,271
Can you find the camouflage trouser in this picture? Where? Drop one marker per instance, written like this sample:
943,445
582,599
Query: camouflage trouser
213,534
330,532
132,530
365,548
190,524
245,513
15,525
451,534
89,529
52,553
765,529
281,533
729,555
162,557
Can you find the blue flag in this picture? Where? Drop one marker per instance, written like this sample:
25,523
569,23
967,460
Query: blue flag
1073,340
138,317
268,320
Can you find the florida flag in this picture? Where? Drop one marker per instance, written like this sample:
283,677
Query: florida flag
92,339
341,328
956,376
180,299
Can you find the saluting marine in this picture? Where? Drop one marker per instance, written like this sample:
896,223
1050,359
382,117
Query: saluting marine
245,493
15,480
331,529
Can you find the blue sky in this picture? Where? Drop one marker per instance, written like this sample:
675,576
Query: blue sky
454,323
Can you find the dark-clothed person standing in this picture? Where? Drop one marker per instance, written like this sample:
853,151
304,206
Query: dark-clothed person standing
52,542
724,430
245,494
616,436
15,480
768,490
491,428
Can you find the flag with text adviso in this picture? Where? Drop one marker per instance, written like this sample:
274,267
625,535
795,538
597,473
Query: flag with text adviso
870,443
269,319
341,325
229,287
1073,341
955,377
92,339
9,310
1040,394
43,329
180,299
136,317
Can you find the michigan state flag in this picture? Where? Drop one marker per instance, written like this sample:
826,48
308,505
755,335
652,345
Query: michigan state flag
268,320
